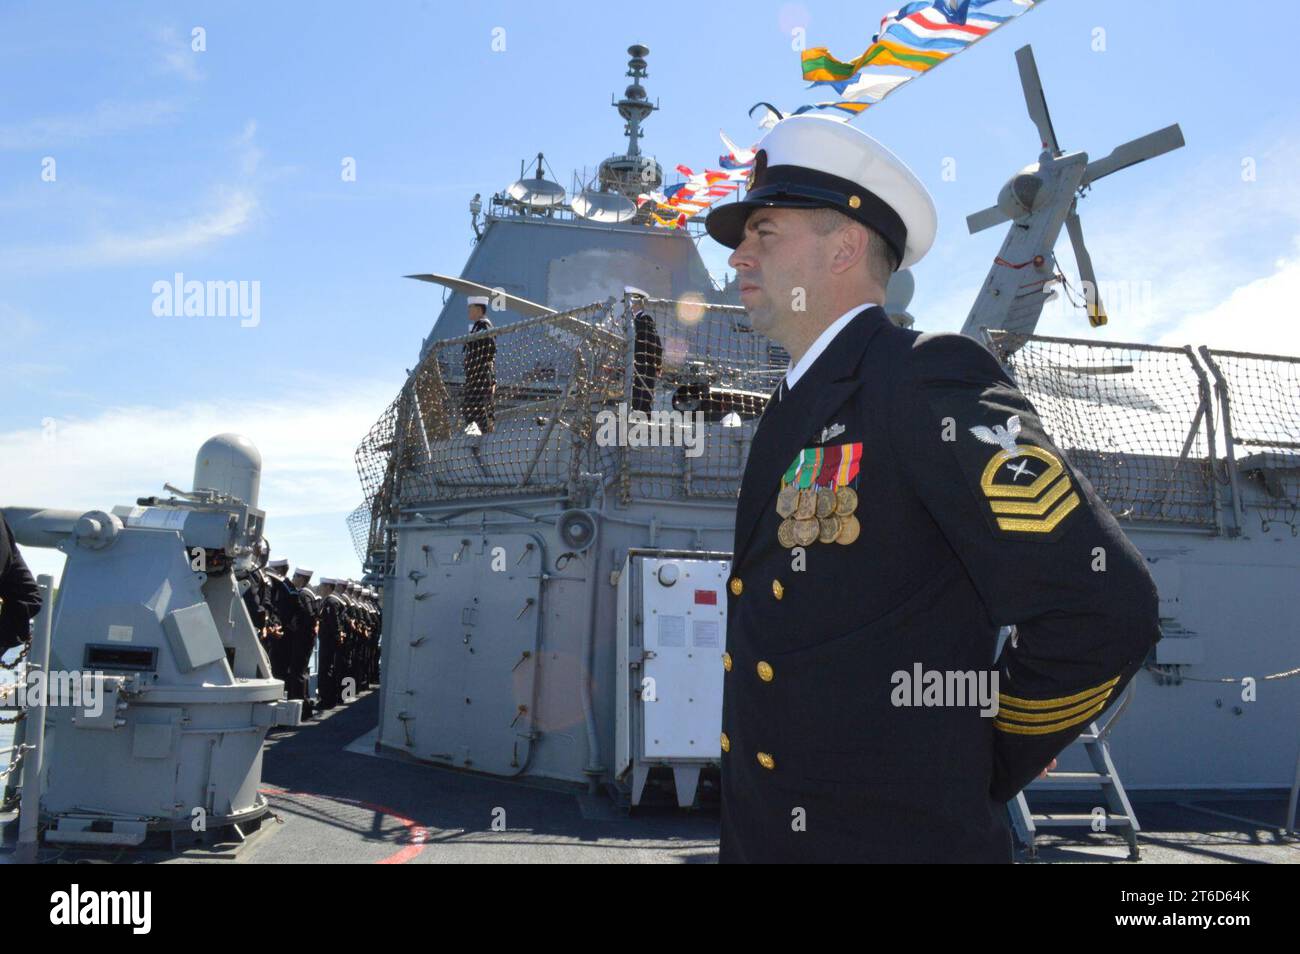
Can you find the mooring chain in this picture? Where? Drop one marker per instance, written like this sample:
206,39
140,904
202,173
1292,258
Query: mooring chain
22,654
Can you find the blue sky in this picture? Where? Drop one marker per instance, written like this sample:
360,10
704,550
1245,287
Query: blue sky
225,164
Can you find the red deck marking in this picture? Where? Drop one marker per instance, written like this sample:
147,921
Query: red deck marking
419,834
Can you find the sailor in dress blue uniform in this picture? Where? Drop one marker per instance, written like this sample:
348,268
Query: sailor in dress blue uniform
901,503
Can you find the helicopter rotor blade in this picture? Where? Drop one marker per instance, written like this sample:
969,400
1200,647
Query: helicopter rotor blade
1035,99
985,219
1096,313
522,306
1138,150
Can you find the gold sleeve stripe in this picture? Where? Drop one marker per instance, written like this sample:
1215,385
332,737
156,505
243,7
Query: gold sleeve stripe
1007,700
1054,716
1048,729
1033,509
1042,524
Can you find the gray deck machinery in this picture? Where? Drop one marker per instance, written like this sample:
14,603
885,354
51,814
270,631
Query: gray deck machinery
160,693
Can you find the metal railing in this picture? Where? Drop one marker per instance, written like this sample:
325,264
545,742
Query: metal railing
663,406
1140,421
23,759
1259,396
503,208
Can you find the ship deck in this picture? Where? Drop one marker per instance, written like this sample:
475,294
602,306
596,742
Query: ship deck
334,801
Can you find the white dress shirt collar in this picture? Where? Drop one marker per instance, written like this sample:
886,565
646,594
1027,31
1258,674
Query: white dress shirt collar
796,371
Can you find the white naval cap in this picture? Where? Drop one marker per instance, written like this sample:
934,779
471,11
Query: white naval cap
478,300
631,291
807,162
303,571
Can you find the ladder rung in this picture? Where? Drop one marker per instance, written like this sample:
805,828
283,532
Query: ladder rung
1080,821
1096,778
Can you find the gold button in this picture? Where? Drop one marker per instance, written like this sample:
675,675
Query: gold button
766,760
736,586
726,743
777,589
854,202
726,661
765,671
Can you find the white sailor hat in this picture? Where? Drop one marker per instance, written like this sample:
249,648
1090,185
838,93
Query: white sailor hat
303,571
631,291
479,300
808,162
278,564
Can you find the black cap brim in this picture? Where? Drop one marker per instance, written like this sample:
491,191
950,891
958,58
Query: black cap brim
726,223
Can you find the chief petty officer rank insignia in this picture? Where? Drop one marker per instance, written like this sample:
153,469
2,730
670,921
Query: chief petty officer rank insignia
815,501
1027,488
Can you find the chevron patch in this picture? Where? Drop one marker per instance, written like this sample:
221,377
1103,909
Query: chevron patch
1028,492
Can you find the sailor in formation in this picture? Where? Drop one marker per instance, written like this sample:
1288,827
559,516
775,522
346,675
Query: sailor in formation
647,351
255,585
20,597
355,646
279,607
333,629
344,664
478,399
300,630
339,621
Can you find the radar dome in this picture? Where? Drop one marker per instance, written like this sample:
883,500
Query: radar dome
229,464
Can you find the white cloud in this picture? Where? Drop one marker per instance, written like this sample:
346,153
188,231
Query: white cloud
106,119
177,56
309,481
232,211
250,156
1258,316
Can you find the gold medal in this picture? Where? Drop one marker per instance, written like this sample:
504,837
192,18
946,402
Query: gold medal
807,506
785,533
829,528
786,500
825,502
846,501
806,531
849,530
